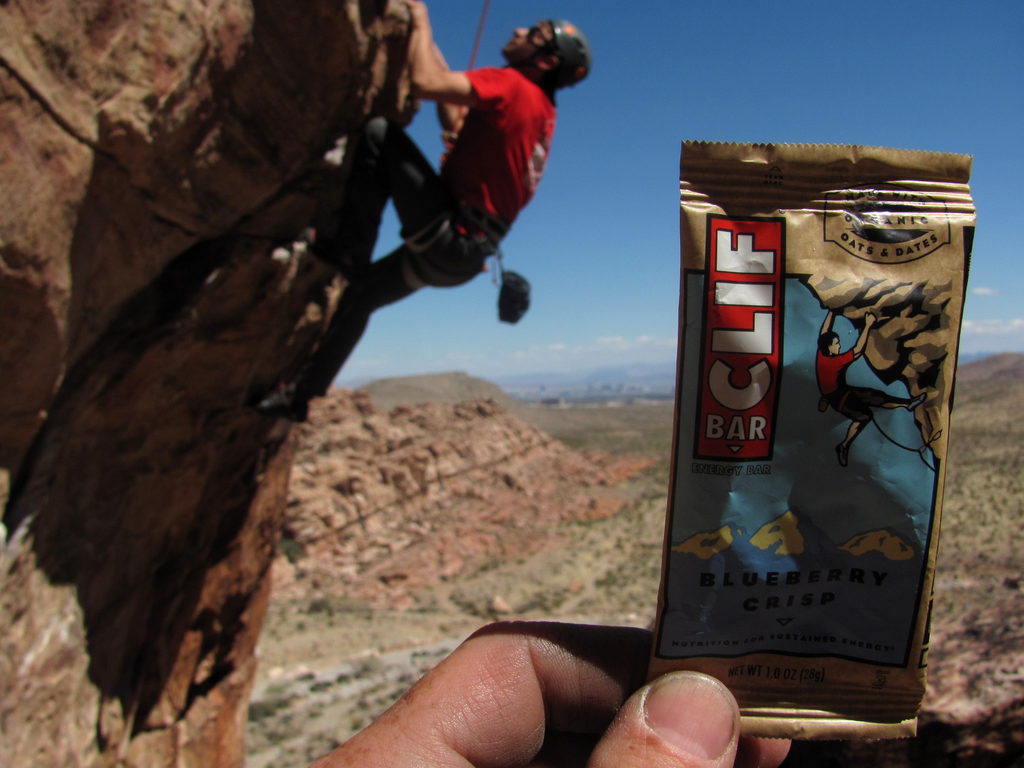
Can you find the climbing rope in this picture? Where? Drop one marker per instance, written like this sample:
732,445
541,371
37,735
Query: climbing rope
919,451
479,33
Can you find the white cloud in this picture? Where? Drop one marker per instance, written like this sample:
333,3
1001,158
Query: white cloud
622,344
993,335
995,327
982,290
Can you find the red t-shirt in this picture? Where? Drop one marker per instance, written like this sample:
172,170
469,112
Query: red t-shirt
831,371
503,145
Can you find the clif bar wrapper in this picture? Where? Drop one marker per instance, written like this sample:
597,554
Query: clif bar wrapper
821,296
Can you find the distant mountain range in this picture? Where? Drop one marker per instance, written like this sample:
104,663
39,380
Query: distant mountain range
1006,365
639,381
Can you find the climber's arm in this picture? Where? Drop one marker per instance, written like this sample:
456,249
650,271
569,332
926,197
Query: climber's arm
449,115
862,340
826,326
431,78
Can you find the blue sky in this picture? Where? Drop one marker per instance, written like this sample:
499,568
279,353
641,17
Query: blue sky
599,242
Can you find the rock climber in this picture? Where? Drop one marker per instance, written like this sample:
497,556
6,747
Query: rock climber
855,403
497,124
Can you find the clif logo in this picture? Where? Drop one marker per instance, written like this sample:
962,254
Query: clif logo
885,224
741,356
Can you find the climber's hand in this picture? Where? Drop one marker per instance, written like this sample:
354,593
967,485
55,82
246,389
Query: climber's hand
540,694
418,16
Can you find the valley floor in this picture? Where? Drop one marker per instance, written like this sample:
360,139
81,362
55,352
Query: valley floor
329,666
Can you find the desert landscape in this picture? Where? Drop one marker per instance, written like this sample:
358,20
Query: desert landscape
150,301
382,573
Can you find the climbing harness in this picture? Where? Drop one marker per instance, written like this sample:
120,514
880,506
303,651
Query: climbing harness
491,227
488,223
433,231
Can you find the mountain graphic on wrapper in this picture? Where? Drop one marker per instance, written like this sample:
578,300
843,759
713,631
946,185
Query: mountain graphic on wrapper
783,537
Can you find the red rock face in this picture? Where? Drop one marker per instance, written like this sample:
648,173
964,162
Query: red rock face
161,152
383,503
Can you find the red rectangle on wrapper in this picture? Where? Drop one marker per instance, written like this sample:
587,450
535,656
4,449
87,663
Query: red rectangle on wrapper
742,342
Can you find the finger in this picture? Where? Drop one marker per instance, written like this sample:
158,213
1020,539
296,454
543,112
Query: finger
681,720
563,750
494,701
761,753
584,672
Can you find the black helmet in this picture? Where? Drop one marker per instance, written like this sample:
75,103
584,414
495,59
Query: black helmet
573,50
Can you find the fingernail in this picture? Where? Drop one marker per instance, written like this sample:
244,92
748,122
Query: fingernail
693,712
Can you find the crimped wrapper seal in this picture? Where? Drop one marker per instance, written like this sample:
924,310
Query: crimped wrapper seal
821,296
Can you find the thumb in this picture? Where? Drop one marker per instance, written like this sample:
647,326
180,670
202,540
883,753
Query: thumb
680,720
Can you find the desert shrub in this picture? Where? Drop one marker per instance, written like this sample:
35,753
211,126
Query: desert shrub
269,707
291,549
320,605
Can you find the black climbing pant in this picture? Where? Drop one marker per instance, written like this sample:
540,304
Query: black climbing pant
387,165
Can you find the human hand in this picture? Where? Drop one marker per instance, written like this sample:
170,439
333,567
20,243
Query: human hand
870,319
417,13
546,695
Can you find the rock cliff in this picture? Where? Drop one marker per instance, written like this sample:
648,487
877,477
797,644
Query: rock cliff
384,503
155,154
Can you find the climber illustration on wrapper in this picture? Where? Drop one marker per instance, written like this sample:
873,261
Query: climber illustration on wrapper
855,403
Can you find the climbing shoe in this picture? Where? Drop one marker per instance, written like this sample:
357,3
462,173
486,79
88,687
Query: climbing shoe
842,453
916,402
